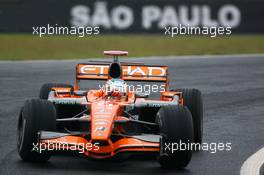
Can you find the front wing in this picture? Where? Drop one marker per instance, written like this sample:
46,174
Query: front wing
54,141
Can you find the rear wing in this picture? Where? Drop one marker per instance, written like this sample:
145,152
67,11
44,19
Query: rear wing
131,72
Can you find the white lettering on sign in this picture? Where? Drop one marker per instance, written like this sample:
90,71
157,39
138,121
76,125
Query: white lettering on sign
228,16
150,14
232,11
121,17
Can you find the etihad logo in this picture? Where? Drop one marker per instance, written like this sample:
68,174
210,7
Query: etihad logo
145,71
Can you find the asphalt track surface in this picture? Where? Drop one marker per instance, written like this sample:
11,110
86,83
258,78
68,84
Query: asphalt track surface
233,93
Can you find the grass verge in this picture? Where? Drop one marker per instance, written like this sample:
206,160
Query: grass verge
28,47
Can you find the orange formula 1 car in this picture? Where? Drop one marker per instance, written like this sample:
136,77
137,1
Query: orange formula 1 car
112,120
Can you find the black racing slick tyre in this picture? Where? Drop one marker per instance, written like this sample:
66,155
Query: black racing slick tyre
36,115
176,130
193,100
46,88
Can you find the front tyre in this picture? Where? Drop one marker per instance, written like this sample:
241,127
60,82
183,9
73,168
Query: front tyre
192,98
36,115
176,128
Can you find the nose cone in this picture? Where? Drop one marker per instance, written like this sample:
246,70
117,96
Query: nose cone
102,117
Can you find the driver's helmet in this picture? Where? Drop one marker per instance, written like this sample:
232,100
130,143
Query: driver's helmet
116,87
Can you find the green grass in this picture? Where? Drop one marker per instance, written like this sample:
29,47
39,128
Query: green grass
28,47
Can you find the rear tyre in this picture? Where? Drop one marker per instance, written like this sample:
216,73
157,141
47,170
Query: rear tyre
176,129
46,88
193,100
36,115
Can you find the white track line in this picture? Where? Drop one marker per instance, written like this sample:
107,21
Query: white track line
253,164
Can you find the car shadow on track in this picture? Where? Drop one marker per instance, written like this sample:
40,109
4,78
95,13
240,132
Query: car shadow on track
64,164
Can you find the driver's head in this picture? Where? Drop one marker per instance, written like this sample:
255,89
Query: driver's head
116,87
